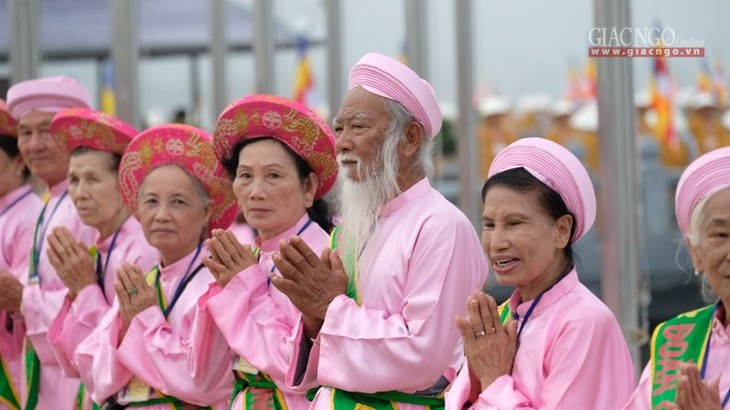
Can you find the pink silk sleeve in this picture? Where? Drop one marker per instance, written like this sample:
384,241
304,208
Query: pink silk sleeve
163,358
369,350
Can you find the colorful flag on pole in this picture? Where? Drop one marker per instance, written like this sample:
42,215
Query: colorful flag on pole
108,103
662,97
304,80
704,77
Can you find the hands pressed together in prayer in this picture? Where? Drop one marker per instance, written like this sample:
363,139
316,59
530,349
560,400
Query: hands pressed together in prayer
133,293
71,259
227,256
11,295
693,393
490,347
311,282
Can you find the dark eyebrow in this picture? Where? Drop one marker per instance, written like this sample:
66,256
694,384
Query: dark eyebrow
718,222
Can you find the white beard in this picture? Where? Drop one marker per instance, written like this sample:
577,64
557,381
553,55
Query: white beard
360,201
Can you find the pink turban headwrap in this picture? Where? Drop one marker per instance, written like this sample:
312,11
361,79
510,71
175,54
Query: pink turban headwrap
47,94
557,168
387,77
703,177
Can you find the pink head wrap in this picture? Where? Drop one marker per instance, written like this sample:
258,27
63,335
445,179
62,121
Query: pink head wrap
557,168
191,149
7,122
47,94
77,127
703,177
387,77
287,121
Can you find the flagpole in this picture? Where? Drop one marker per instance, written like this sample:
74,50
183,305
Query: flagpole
263,46
335,82
25,53
618,196
417,37
467,150
124,51
218,46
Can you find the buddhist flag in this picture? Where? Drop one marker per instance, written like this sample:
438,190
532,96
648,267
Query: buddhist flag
303,80
704,78
719,82
108,103
662,96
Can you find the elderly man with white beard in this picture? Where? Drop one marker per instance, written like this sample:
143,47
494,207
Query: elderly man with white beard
377,312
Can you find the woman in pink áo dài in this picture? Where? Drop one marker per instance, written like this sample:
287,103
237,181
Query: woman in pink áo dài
140,354
95,142
689,367
281,158
553,344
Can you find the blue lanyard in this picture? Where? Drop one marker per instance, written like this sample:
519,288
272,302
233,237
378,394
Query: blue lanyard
273,267
12,204
529,313
38,247
186,278
707,356
100,273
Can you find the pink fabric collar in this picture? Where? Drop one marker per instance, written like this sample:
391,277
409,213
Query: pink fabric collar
554,294
272,244
419,189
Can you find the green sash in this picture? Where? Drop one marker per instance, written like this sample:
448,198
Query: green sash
345,400
259,392
680,339
8,394
32,375
505,314
350,263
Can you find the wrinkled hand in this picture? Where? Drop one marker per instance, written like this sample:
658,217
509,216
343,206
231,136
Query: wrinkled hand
73,264
11,295
133,292
490,347
309,281
227,256
693,393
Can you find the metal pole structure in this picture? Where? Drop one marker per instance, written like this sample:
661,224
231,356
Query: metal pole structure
467,149
417,37
125,53
218,46
335,82
25,53
618,197
263,45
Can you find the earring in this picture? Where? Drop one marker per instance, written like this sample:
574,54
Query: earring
698,273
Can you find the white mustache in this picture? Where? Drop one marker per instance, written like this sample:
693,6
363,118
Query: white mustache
347,157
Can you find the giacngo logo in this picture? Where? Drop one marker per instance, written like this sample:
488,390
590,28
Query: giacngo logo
642,42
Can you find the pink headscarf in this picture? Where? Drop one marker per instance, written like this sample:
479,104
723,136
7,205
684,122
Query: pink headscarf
287,121
47,94
557,168
187,147
387,77
84,127
703,177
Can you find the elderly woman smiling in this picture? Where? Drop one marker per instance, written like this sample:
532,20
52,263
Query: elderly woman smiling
690,361
281,158
138,355
553,344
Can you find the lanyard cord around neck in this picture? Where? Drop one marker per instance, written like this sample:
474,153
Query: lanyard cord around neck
101,272
707,355
186,278
532,307
17,200
273,267
38,246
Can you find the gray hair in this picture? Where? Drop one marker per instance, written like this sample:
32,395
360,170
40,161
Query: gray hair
202,193
694,238
400,118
